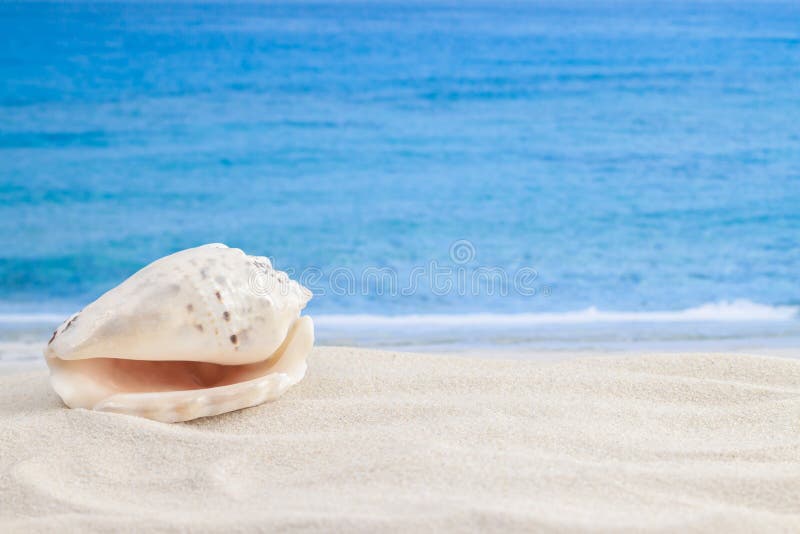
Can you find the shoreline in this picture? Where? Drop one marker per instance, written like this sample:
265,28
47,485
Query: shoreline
740,326
404,441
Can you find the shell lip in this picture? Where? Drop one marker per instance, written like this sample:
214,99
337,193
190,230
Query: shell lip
50,356
184,405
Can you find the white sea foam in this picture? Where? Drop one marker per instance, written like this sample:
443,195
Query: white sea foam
32,318
724,311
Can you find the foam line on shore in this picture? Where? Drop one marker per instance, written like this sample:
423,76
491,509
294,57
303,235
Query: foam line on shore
724,311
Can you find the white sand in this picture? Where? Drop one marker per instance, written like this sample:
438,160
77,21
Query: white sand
408,442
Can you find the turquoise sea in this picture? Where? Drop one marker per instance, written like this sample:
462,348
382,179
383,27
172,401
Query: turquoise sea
638,160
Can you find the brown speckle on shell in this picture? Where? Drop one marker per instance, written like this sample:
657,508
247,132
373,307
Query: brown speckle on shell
234,339
70,323
53,336
189,308
199,327
226,315
219,296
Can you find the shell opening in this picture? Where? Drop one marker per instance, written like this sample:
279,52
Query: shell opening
174,390
145,376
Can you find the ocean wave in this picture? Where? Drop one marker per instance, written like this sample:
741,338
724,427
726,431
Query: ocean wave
32,318
723,311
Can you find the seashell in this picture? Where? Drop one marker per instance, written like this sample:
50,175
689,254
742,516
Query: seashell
201,332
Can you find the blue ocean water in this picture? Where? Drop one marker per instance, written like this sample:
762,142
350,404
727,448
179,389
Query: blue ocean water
635,156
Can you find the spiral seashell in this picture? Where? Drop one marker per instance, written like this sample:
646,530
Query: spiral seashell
187,336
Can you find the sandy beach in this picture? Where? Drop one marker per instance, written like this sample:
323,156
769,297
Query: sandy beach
542,259
407,442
